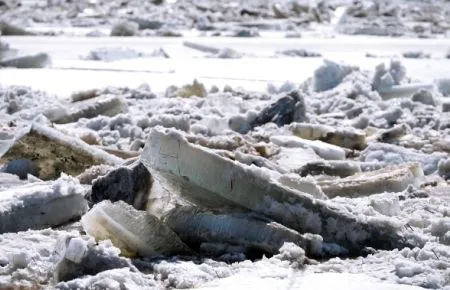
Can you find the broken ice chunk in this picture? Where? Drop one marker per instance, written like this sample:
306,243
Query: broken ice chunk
6,51
443,86
7,28
77,256
52,152
298,53
180,122
444,168
330,167
306,184
248,231
386,205
345,137
20,167
39,60
415,54
329,75
385,78
9,180
90,108
324,150
135,233
76,250
201,47
292,158
392,134
393,154
423,96
401,91
108,54
389,179
130,184
284,111
93,172
125,28
202,172
196,89
41,204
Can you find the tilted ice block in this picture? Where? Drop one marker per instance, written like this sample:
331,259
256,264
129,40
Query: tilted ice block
90,108
246,230
52,152
134,232
388,179
393,154
206,173
41,204
345,137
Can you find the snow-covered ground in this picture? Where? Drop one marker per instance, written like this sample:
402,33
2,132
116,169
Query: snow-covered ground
29,256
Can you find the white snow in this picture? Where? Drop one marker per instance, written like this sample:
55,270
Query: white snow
116,279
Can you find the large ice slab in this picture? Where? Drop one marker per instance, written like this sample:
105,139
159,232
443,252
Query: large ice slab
52,152
169,152
40,205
